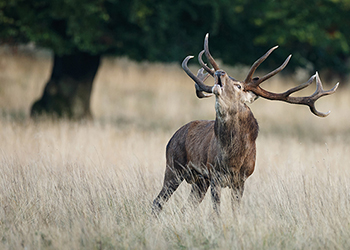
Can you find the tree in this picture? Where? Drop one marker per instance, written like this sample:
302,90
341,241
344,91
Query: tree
72,29
79,32
316,30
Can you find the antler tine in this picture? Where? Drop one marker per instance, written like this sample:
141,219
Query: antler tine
248,79
199,83
200,60
271,74
300,87
318,94
306,100
202,76
207,53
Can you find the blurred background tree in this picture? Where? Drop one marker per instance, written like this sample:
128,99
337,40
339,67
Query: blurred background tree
79,32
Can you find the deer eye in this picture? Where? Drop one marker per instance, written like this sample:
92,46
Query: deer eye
238,86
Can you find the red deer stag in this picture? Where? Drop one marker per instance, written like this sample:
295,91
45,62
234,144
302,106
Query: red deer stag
221,153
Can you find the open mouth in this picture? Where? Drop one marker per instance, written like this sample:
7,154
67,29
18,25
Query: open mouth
219,82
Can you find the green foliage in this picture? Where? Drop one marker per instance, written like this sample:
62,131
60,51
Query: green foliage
315,31
63,25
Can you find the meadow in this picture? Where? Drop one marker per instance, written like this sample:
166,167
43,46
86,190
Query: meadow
90,184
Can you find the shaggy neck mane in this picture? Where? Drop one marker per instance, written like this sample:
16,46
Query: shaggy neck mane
235,130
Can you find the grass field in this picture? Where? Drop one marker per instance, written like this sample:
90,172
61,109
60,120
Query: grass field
90,185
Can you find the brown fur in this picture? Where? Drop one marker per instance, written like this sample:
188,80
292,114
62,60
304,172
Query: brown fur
218,153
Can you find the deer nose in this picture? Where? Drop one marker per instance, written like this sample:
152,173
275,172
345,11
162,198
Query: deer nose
219,73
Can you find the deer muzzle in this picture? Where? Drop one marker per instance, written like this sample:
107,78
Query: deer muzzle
219,83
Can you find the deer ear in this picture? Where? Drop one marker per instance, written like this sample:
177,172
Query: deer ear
250,97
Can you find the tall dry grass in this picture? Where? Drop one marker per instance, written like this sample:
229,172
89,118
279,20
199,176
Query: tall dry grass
89,185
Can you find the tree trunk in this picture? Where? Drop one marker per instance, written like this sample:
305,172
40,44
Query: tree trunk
67,93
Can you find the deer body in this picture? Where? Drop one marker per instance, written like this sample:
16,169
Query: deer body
218,153
222,153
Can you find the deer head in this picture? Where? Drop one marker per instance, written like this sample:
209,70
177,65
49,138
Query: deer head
227,89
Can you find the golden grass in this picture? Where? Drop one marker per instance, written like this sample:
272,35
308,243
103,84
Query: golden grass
71,185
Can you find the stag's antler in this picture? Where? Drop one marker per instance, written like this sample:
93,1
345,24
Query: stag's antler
257,81
201,76
207,53
199,79
252,84
204,66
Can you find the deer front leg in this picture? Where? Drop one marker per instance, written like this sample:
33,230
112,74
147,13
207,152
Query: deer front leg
236,194
215,189
198,191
